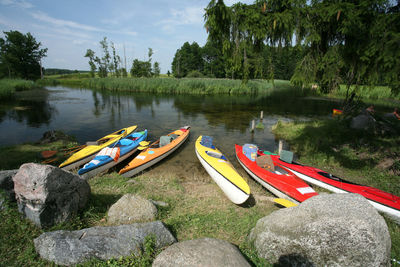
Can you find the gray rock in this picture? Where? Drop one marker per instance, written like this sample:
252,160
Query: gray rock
159,203
201,252
2,199
73,247
7,184
48,195
131,208
363,122
325,230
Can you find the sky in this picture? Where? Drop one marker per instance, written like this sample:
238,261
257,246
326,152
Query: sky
69,27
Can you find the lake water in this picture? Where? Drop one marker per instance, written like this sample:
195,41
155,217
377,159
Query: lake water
89,115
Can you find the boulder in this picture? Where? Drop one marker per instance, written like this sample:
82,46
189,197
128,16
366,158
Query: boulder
73,247
2,199
48,195
7,184
201,252
325,230
363,122
131,208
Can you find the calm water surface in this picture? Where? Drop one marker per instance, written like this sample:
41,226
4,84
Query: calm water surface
89,115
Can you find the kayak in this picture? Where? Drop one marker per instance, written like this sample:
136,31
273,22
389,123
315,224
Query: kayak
86,154
113,154
381,200
221,170
156,151
279,181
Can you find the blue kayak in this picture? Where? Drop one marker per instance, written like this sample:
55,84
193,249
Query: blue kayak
113,154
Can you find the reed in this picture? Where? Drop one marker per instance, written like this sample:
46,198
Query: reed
202,86
8,87
367,92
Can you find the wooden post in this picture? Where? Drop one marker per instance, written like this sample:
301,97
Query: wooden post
262,114
280,147
253,125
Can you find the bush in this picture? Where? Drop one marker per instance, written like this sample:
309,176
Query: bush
195,74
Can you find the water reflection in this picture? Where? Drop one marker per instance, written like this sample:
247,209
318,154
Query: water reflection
29,107
89,114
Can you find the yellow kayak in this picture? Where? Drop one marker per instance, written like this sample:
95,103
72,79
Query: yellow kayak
221,170
89,152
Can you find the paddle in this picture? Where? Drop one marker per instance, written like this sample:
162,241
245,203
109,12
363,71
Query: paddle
284,202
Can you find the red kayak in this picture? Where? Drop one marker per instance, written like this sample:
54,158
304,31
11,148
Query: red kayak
281,182
381,200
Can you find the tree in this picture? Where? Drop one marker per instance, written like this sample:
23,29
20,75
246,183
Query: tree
20,56
346,41
186,59
104,62
116,62
142,68
91,55
213,60
156,69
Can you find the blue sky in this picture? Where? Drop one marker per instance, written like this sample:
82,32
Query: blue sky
68,28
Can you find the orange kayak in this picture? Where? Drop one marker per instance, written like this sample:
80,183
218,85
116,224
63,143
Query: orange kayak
156,151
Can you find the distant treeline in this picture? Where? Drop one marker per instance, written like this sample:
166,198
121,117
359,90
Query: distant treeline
53,71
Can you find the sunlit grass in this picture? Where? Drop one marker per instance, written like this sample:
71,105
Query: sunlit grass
9,86
183,86
169,85
366,92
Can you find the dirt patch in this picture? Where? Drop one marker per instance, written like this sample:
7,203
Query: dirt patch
386,163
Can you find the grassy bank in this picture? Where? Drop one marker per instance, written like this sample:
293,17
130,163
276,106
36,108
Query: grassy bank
196,208
367,93
353,155
8,87
184,86
199,86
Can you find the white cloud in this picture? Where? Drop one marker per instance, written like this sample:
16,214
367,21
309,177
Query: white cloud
17,3
63,23
186,16
67,25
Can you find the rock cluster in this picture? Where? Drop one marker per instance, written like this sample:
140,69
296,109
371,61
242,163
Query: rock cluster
326,230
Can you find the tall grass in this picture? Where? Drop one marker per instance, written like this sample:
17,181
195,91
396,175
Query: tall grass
183,86
367,92
8,87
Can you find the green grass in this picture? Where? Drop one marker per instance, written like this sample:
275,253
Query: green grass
196,208
182,86
367,93
8,87
16,239
353,155
165,85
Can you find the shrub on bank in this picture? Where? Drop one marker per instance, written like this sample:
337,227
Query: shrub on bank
9,86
